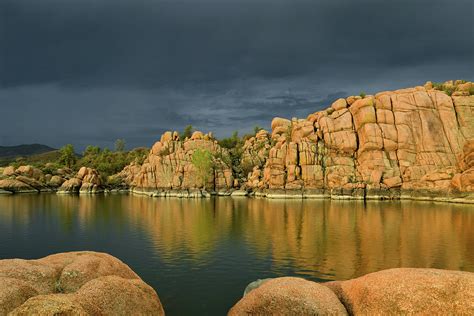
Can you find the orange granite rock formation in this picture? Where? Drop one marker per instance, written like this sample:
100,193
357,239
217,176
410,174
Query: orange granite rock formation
410,143
169,166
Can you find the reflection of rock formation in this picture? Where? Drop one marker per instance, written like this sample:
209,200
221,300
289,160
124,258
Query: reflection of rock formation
320,239
179,227
347,239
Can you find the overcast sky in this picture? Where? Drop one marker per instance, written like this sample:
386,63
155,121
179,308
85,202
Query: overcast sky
91,71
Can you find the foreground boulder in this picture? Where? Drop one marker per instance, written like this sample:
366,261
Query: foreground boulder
408,291
74,283
401,291
289,296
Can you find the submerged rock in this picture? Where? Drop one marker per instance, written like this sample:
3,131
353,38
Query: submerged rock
74,283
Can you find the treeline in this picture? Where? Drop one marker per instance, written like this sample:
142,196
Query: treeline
104,160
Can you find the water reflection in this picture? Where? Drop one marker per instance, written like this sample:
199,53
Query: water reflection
317,239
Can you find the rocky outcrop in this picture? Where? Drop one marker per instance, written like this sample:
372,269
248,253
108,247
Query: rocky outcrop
413,143
464,180
169,170
86,283
401,291
406,143
28,179
86,181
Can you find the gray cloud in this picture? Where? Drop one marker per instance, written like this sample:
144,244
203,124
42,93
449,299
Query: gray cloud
92,71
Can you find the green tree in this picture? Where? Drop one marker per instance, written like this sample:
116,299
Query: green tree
257,129
230,142
188,131
91,151
202,162
120,145
67,157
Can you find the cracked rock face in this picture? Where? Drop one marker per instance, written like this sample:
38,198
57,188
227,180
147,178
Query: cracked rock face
404,143
408,139
74,283
169,165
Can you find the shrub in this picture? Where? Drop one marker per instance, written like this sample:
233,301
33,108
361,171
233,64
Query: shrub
362,94
202,161
449,90
188,131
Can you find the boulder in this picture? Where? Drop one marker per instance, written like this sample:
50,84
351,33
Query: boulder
16,186
87,180
408,291
9,171
56,181
74,283
30,172
289,296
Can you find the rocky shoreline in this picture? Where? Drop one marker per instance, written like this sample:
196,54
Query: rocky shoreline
75,186
92,283
408,144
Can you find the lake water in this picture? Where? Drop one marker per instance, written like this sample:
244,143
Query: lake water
200,254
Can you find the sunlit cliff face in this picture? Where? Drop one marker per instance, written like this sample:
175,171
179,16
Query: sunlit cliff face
319,239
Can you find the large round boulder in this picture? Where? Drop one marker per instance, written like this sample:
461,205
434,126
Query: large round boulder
74,283
408,291
289,296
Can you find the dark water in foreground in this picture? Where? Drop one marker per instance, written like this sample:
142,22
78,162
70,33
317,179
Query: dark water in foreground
200,254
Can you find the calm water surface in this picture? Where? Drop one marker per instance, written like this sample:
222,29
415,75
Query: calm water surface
200,254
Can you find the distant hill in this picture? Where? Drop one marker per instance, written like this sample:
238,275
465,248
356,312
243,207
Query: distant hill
24,150
29,154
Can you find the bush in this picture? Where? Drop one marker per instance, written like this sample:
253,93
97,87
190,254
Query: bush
202,161
230,142
188,131
449,90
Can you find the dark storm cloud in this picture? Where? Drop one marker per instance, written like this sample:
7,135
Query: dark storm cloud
133,68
